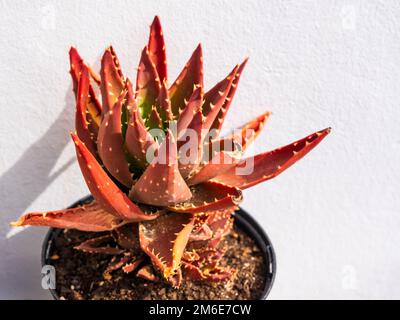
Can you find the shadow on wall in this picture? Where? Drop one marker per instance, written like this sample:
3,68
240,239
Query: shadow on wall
20,186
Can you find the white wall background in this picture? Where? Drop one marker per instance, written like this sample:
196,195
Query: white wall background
334,218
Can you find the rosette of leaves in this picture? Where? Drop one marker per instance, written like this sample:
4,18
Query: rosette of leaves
166,206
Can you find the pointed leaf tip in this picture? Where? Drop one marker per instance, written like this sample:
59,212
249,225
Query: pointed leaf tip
99,245
253,170
82,102
89,110
89,217
190,77
132,266
112,80
148,84
147,273
76,63
157,50
241,137
215,98
219,120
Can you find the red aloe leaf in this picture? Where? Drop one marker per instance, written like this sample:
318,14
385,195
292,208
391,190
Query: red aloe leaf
93,125
201,233
163,103
90,104
190,256
228,100
250,131
94,246
164,240
192,272
237,142
76,63
132,266
112,80
161,184
200,228
214,99
96,78
209,196
220,163
191,149
89,217
110,144
206,268
127,236
193,106
81,123
190,77
118,262
154,121
138,141
245,135
220,223
175,280
232,147
210,257
103,189
147,273
148,84
268,165
157,50
220,274
204,257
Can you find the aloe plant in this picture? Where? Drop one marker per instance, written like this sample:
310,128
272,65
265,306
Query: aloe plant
166,210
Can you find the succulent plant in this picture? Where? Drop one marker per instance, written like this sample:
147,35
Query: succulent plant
165,183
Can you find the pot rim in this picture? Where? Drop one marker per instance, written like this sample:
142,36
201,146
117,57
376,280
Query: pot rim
242,219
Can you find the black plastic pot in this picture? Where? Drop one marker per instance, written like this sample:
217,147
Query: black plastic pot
242,220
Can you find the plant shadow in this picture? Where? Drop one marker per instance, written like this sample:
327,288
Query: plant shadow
20,268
